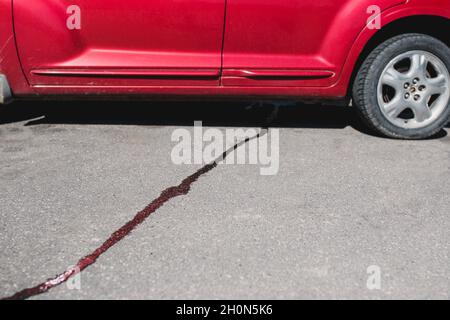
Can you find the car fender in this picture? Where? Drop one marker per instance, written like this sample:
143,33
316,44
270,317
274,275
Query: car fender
386,17
10,66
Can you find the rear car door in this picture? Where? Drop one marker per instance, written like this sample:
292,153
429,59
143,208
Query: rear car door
291,42
120,42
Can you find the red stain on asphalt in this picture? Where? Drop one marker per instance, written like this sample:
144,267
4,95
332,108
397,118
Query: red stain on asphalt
182,189
168,194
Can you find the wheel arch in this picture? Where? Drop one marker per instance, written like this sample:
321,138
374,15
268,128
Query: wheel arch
431,23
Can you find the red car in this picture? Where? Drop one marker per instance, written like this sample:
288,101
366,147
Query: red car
390,57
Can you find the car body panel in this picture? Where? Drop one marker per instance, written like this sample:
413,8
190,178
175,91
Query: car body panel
274,48
157,42
286,35
10,65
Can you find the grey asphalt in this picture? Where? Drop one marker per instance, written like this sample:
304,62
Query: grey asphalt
71,173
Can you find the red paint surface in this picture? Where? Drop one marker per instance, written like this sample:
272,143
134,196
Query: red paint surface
168,194
279,48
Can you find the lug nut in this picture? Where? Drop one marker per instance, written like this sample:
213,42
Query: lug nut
416,97
407,95
416,80
421,88
406,86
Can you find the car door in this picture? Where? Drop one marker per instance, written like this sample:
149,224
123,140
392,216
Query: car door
120,42
292,42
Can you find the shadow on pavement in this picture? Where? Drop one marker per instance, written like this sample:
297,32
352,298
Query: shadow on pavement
211,113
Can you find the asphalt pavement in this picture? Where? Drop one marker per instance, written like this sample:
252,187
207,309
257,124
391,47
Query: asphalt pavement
348,214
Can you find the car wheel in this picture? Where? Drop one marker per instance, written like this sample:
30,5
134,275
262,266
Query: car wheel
402,89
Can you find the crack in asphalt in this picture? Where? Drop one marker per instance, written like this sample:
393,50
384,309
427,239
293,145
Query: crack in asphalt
172,192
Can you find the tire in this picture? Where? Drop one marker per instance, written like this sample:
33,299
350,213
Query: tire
391,95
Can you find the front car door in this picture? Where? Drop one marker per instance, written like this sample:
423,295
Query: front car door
120,42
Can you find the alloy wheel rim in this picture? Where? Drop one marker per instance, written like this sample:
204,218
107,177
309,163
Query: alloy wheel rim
413,89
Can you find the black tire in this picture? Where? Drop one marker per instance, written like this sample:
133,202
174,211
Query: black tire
365,87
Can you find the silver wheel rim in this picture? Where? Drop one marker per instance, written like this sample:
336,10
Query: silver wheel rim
413,90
